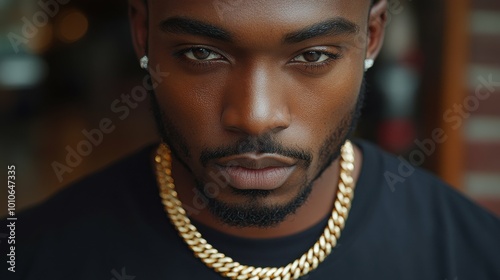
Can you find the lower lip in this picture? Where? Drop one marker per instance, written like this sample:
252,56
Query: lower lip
257,179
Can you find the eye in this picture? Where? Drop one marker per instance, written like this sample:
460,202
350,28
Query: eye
202,54
314,57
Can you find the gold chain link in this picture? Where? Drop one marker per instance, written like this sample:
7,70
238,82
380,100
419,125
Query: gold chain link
233,270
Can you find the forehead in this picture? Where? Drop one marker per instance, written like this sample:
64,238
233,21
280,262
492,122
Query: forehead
264,16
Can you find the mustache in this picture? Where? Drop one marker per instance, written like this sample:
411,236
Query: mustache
264,144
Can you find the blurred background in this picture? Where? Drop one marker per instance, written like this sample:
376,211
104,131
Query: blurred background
434,93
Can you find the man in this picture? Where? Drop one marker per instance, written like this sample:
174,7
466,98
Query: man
255,178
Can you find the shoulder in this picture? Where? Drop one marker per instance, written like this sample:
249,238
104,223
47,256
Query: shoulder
409,187
412,211
78,222
399,180
95,193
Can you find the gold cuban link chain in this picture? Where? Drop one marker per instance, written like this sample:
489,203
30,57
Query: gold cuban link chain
231,269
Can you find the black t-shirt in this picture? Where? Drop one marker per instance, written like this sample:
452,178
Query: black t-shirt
112,226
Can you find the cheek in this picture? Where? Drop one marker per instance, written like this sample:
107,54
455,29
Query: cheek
190,103
321,104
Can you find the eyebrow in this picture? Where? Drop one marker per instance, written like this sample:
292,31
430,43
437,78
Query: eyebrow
331,27
181,25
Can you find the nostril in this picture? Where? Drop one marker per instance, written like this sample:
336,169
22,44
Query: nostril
244,121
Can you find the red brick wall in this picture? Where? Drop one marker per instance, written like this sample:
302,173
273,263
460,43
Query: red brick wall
482,156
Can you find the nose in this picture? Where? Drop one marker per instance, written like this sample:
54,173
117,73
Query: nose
255,104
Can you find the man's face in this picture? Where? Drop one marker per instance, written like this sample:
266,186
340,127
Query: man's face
261,94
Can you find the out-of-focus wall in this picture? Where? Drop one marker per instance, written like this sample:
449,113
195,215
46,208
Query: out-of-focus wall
66,68
482,128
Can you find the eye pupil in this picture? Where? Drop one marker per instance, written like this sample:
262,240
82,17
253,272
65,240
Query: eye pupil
312,56
200,53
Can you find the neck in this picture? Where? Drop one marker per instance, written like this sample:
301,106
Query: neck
318,205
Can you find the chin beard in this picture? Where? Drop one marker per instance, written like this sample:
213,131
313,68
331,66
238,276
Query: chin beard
253,213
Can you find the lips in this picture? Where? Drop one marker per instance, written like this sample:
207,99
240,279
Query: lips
252,171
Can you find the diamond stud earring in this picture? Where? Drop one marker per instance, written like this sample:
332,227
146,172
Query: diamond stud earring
144,62
368,63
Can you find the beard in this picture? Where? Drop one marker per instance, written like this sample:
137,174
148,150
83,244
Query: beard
252,213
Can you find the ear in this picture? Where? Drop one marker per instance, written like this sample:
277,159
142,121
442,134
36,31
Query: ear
138,16
376,28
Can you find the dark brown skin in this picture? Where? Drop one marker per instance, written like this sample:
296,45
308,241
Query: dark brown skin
257,84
